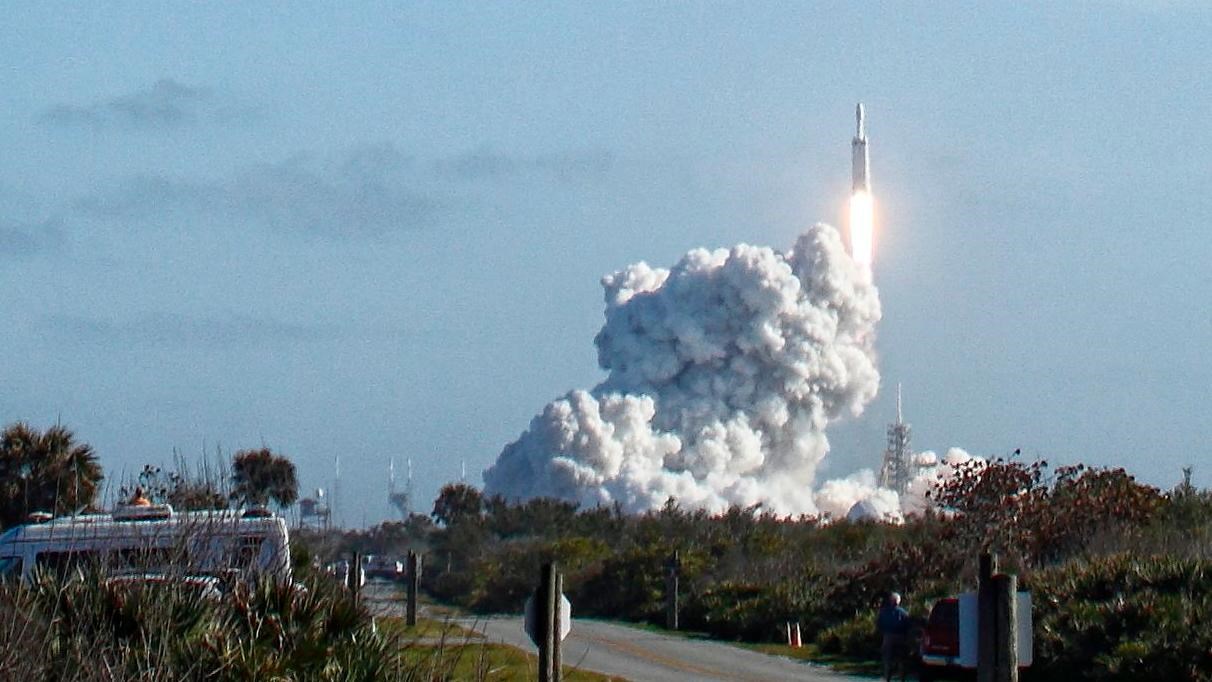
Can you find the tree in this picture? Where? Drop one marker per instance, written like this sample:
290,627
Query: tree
182,489
1014,508
258,476
45,471
457,502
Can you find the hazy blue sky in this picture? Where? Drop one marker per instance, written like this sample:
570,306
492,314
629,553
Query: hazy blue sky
379,230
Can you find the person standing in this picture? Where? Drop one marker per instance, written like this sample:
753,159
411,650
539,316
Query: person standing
893,623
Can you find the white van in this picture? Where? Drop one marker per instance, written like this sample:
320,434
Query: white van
150,541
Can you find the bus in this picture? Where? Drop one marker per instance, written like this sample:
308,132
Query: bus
150,541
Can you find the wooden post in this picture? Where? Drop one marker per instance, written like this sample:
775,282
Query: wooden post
557,644
1005,593
986,617
414,581
544,600
673,568
354,578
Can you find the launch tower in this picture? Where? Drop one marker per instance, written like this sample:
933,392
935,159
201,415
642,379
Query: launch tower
401,501
898,467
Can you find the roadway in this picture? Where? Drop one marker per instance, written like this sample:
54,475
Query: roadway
646,656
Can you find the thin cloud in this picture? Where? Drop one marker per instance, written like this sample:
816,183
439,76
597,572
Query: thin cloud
24,241
364,193
178,330
166,104
485,164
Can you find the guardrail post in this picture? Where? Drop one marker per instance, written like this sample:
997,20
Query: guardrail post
355,576
986,618
1005,589
413,577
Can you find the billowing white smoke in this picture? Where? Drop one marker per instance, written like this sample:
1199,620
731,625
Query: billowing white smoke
723,373
931,472
857,497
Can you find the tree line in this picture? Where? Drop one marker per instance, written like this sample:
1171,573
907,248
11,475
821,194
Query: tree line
52,471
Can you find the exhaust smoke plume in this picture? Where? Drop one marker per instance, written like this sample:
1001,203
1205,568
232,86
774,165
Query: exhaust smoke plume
723,373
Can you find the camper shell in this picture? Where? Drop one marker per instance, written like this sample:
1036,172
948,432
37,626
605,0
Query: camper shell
151,540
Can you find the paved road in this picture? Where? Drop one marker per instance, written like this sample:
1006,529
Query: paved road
645,656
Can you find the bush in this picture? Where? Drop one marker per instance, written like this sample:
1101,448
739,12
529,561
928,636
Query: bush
857,637
1124,618
86,629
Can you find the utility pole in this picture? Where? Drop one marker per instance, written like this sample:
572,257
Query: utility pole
673,569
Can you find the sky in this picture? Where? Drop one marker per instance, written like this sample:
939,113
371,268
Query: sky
378,231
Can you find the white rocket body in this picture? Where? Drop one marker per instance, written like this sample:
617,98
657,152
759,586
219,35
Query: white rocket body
860,162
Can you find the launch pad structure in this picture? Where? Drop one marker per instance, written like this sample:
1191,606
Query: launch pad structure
402,501
898,467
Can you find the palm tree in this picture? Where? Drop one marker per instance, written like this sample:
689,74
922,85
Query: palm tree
258,476
45,471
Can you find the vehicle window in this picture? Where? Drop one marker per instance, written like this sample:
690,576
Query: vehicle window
61,563
141,559
247,551
945,614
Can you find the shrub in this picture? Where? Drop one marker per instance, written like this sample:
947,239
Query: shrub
856,637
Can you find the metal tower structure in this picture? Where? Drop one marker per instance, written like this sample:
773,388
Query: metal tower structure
898,468
401,501
334,511
314,511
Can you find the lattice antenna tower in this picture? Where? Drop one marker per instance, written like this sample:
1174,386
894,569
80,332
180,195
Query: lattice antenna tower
897,468
334,500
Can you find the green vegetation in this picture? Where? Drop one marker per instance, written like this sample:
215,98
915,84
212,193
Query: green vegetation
258,476
85,629
1120,570
44,471
1121,575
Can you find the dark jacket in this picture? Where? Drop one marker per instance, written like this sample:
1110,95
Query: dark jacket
893,620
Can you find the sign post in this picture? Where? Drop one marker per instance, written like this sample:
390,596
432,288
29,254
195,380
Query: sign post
548,621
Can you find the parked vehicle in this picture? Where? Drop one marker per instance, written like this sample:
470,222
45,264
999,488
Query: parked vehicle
151,541
940,643
384,568
949,644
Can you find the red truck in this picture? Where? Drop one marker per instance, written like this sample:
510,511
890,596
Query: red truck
940,647
949,640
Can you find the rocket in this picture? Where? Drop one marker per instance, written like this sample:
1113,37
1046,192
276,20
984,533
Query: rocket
860,169
862,206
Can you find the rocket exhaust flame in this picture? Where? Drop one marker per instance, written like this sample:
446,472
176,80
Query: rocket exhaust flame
862,225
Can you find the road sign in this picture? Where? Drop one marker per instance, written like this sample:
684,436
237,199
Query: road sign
531,623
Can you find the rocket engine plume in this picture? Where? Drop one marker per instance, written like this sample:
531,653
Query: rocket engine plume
723,373
862,227
862,205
